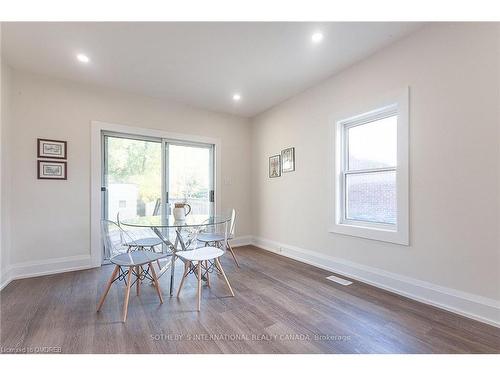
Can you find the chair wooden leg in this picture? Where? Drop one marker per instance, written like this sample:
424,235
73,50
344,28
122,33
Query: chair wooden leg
207,273
232,253
127,293
186,270
153,249
199,285
218,245
157,283
219,266
138,279
108,286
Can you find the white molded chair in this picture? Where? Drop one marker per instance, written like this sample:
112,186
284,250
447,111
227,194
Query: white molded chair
141,243
217,239
202,262
127,264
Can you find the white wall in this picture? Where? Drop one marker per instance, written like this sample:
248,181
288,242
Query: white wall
2,120
5,79
50,220
2,117
453,74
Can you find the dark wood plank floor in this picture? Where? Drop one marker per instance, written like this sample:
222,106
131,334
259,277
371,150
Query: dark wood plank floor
281,306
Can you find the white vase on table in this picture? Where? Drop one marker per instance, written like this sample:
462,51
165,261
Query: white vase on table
180,212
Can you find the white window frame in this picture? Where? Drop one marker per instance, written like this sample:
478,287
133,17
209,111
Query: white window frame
398,233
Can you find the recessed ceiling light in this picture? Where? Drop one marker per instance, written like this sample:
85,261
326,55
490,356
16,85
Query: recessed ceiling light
83,58
317,37
236,97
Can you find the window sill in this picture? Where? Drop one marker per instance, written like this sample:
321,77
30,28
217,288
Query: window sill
396,236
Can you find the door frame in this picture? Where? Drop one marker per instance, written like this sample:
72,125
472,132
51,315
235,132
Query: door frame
96,169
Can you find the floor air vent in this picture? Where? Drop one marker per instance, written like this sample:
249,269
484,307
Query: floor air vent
338,280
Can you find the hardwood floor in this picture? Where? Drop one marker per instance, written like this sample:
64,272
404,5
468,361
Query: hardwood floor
281,306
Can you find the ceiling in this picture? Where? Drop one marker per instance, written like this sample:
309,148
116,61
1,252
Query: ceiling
200,64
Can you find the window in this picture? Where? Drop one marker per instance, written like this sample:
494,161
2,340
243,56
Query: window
371,174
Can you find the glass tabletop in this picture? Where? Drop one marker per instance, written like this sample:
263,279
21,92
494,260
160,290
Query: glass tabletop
168,221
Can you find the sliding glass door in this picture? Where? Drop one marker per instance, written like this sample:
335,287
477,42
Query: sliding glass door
141,172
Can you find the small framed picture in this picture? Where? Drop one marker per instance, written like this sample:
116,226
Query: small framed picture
51,170
288,159
274,166
52,149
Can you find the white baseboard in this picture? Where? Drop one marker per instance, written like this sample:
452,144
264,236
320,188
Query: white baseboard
476,307
5,277
241,241
44,267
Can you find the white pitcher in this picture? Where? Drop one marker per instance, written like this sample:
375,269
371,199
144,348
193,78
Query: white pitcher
180,211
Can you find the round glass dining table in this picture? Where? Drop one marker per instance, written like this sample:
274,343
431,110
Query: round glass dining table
162,224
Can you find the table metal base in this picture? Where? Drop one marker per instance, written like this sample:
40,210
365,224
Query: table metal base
173,248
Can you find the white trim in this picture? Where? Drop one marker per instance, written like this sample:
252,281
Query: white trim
470,305
96,127
241,241
6,277
396,234
45,267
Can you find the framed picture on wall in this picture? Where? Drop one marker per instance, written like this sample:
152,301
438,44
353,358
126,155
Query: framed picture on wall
52,170
52,149
274,166
288,159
